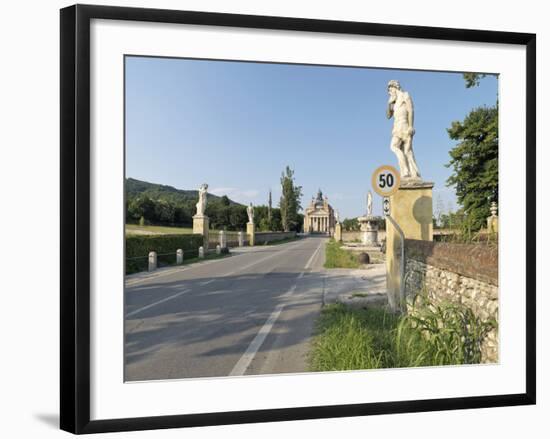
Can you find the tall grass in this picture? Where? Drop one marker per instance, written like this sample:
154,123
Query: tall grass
336,257
372,338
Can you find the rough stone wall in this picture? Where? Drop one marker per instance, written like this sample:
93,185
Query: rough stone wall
458,273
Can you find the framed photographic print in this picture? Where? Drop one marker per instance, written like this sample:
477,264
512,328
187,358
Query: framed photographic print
272,218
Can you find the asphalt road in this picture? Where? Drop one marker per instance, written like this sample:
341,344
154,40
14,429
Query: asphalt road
250,313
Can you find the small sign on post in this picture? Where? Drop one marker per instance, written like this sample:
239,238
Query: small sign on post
386,180
386,206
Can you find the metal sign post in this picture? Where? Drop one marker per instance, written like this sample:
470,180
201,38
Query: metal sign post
386,206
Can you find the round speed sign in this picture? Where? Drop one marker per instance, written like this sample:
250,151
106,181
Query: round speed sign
385,180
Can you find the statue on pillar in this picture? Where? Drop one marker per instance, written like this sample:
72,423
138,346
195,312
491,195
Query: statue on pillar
250,212
369,204
400,107
201,205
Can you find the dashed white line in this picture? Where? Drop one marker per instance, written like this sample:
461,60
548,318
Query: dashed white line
166,299
255,345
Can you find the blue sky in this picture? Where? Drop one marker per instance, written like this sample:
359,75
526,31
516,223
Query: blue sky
236,125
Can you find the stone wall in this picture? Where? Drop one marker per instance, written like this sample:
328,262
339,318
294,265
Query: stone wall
357,236
458,273
263,237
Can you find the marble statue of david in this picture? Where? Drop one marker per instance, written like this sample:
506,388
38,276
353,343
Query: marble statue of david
400,107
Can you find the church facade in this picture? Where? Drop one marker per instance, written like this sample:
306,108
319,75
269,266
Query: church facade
319,216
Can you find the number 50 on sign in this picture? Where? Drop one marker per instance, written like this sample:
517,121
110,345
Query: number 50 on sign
385,180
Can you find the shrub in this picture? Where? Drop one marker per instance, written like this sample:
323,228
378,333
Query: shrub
139,246
448,333
371,338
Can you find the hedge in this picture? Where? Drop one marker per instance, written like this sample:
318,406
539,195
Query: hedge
139,246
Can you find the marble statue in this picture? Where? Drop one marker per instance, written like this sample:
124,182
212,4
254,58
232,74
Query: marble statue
369,204
400,107
337,217
250,212
201,205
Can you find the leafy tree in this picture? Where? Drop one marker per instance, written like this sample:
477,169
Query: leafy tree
475,160
164,212
237,217
290,202
472,79
350,224
144,207
475,163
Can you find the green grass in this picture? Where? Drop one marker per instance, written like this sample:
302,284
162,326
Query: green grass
336,257
372,338
133,229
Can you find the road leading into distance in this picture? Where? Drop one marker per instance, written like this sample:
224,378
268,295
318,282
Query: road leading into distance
251,313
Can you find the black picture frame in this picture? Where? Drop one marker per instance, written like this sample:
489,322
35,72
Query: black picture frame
75,217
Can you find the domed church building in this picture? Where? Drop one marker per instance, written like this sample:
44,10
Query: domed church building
319,216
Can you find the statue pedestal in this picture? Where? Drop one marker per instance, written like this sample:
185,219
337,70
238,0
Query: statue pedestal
369,227
251,232
338,232
411,208
200,227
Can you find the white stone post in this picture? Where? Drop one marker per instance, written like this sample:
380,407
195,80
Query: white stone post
201,252
218,249
338,232
152,261
223,239
179,256
241,239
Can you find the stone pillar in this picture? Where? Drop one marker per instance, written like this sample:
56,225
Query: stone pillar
152,261
201,252
241,239
251,232
412,210
338,232
371,233
223,239
200,227
492,221
179,256
218,249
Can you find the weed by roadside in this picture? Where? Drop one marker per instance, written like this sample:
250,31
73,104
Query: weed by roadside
372,338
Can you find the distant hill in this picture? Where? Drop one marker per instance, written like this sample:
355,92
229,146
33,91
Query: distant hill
155,191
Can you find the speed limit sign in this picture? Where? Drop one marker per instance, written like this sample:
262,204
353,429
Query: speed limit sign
385,180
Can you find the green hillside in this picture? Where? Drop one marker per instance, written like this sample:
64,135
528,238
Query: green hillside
135,188
161,205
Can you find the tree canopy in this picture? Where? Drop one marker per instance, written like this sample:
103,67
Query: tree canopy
290,202
474,160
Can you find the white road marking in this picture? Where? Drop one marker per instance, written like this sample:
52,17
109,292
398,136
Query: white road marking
205,283
166,299
255,345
